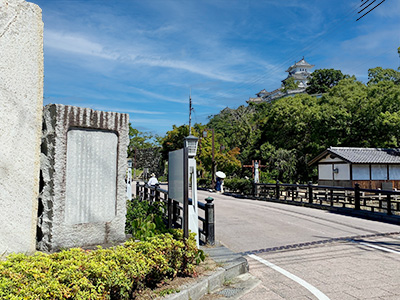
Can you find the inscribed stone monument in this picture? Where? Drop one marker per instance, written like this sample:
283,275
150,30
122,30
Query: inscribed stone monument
21,103
83,167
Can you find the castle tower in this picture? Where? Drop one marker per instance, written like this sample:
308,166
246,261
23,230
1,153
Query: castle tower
300,71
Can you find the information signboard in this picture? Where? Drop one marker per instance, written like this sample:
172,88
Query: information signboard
178,177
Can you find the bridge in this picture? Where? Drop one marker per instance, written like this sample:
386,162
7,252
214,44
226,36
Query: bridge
298,252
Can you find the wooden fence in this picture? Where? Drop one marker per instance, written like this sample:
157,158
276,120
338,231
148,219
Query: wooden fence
370,200
174,211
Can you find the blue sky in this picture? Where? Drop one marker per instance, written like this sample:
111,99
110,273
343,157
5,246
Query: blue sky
143,57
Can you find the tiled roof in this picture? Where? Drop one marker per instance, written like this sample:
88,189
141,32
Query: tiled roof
301,63
363,155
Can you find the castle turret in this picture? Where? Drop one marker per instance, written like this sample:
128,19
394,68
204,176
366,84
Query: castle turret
300,71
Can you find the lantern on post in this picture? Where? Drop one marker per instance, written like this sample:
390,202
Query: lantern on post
191,143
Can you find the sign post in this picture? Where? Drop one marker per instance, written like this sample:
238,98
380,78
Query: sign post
178,177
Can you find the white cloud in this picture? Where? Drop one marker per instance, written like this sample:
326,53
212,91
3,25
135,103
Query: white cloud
374,42
75,43
118,109
79,44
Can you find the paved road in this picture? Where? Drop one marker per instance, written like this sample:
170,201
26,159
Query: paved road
304,253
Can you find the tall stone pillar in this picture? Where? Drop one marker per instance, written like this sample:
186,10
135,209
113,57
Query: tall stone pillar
21,104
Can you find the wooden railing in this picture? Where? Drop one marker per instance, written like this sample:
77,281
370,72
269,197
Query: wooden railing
381,201
174,210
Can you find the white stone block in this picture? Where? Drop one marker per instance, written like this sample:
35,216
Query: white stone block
91,183
21,103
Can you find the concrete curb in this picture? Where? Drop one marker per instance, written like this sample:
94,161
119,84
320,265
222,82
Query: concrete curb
233,265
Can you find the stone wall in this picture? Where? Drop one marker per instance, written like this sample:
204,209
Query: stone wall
21,103
83,166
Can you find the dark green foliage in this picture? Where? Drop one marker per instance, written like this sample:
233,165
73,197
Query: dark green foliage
289,132
115,273
239,185
174,139
324,79
290,84
203,182
378,74
141,140
235,127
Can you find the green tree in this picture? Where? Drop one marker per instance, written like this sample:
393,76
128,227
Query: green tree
324,79
140,140
226,160
378,74
174,139
289,84
236,128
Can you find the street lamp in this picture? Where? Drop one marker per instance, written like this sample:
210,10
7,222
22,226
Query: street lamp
191,143
212,156
129,180
192,215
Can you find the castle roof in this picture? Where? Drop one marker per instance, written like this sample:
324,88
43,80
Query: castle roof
300,63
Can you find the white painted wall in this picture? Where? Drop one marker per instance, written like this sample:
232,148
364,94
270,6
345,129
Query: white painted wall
394,172
379,172
343,172
361,172
325,172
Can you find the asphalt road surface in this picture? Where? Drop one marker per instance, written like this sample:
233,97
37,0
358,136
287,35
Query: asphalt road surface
304,253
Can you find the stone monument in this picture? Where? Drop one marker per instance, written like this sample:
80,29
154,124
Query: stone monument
21,104
83,168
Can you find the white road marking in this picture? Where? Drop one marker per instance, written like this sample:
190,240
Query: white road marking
377,247
316,292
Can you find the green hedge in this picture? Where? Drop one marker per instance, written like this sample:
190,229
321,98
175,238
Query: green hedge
239,185
116,273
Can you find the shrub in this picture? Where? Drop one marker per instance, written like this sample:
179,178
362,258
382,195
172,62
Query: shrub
204,182
115,273
145,220
239,185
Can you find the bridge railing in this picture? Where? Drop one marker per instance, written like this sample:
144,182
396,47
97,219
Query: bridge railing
382,201
174,210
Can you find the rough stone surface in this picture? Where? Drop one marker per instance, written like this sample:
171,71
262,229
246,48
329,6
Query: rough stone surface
83,167
21,102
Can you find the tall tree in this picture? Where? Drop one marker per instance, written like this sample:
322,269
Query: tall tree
226,159
140,140
174,139
324,79
378,74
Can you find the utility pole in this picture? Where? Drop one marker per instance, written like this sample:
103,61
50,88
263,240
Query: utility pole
190,112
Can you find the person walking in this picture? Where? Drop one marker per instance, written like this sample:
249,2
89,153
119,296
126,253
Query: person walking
153,180
218,185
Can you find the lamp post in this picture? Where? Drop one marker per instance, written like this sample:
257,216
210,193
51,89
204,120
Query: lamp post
191,143
212,155
129,180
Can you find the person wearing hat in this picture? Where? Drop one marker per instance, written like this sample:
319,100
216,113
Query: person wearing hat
153,180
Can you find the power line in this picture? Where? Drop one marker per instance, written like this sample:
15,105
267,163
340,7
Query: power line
370,9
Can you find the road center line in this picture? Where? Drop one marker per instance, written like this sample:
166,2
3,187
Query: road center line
316,292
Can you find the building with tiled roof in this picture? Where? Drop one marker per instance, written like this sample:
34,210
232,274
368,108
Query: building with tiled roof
372,168
300,71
